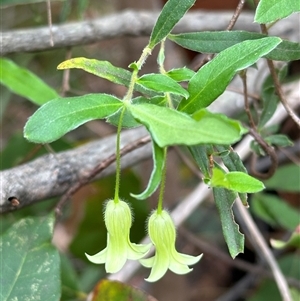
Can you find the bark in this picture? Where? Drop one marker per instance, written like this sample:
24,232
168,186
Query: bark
126,23
53,174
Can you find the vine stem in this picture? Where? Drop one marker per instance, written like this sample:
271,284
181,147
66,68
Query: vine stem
162,184
118,157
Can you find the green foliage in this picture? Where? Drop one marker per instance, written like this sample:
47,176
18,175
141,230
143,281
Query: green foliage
30,264
33,88
275,211
174,114
169,127
272,10
286,178
171,13
156,175
236,181
162,83
60,116
224,200
217,41
212,79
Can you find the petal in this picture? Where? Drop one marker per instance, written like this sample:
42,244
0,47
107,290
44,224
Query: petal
160,265
97,258
137,251
179,268
116,255
147,262
184,258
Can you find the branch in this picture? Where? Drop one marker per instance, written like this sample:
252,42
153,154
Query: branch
52,175
128,23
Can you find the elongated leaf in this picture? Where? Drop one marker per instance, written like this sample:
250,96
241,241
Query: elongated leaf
181,74
59,116
236,181
279,140
6,3
155,179
128,119
286,178
162,83
212,79
275,211
103,69
217,41
200,153
234,163
171,13
271,10
242,182
293,241
170,127
29,263
24,83
224,200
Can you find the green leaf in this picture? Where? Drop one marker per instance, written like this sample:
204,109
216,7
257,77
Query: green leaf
128,119
162,83
104,70
236,181
155,178
269,97
242,182
117,291
171,13
29,262
61,115
24,83
212,79
272,10
217,41
181,74
279,140
275,211
234,163
286,178
293,242
6,3
170,127
224,200
101,69
200,153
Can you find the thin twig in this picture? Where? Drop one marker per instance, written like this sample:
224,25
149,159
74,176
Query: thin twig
236,14
253,131
213,251
263,250
65,87
243,75
269,151
100,167
49,16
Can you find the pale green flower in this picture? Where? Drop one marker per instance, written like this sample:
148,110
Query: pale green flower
118,220
163,235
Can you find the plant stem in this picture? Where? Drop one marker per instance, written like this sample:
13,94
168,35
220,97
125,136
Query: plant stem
118,157
162,184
